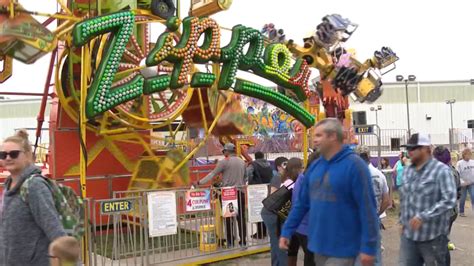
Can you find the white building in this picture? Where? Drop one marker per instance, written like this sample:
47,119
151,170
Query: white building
429,112
22,114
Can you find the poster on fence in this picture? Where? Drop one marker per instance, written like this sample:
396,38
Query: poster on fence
255,195
230,206
198,200
162,220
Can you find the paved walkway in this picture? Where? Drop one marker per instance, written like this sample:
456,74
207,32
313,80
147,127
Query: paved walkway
462,235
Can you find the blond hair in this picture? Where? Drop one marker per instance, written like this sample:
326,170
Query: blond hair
66,249
21,138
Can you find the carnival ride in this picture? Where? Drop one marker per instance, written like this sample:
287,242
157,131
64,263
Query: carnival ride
117,86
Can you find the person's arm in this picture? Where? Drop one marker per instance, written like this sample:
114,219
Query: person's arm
43,210
363,194
298,210
219,169
386,201
448,196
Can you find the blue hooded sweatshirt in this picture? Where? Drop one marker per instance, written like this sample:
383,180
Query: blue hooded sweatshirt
340,200
303,227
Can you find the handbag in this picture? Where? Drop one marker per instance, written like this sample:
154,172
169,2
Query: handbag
279,202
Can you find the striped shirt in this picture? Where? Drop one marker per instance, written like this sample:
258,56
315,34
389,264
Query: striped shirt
429,194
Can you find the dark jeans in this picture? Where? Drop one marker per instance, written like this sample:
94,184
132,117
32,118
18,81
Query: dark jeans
415,253
241,222
453,217
279,257
308,255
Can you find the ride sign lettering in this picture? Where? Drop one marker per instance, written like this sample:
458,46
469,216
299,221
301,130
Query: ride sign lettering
272,62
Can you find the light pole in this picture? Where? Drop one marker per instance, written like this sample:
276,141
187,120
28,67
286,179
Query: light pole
376,110
400,78
379,143
451,102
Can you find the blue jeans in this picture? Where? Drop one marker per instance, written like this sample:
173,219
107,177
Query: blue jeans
415,253
279,257
462,201
378,255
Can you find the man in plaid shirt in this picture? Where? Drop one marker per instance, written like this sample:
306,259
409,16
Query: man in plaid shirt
427,195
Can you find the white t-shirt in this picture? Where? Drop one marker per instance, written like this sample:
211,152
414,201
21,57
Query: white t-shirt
290,184
379,183
466,171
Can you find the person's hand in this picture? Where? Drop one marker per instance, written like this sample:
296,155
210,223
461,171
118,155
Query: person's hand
366,260
415,223
195,184
284,243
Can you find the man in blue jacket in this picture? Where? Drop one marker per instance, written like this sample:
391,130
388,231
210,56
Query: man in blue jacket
340,200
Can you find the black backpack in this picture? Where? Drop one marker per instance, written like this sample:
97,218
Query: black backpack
261,174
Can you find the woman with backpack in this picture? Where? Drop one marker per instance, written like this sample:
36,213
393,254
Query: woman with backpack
278,256
27,224
292,178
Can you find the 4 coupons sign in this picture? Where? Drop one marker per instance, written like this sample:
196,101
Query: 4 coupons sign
198,200
272,62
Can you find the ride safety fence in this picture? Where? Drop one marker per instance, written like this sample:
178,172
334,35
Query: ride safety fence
149,227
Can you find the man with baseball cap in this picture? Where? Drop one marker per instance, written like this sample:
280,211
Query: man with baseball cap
233,172
427,195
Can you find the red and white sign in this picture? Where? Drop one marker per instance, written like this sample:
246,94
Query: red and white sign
198,200
230,206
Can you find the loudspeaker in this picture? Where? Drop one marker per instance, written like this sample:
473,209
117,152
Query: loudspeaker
470,123
395,144
163,8
359,118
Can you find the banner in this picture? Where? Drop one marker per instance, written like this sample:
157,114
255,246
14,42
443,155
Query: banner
162,219
198,200
255,195
230,206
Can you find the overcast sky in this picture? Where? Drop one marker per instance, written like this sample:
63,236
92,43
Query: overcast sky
432,38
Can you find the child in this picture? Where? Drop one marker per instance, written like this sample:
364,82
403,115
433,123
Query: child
64,251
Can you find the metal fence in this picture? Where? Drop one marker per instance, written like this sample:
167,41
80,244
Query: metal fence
124,238
391,140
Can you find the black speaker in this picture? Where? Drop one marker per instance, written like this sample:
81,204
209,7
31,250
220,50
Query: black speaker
470,123
395,144
359,118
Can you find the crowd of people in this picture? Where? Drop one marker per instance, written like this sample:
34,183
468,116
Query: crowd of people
344,196
339,197
334,214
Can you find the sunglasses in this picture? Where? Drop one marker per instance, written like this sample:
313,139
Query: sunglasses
13,154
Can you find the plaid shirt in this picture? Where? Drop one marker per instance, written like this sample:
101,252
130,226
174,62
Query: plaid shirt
429,194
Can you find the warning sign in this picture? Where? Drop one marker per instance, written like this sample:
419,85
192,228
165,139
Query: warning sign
198,200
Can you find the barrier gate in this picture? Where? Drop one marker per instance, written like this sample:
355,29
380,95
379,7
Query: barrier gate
120,231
